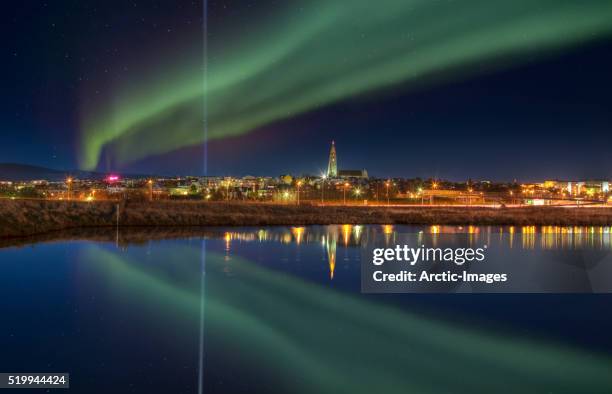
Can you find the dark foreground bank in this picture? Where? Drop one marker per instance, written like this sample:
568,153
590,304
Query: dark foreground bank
27,217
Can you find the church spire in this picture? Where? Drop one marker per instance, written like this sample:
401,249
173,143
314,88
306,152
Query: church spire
332,166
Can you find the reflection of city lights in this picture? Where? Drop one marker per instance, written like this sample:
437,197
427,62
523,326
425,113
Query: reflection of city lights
228,239
346,233
435,229
298,233
330,246
387,229
357,230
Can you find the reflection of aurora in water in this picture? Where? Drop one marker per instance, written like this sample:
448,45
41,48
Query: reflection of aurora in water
312,339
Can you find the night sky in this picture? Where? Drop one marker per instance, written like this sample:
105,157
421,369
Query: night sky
451,90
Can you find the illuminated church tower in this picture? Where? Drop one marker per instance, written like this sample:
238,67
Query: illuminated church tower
332,167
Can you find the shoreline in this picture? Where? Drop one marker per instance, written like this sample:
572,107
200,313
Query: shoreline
22,218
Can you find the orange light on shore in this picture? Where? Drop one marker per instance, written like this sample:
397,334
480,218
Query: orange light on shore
299,184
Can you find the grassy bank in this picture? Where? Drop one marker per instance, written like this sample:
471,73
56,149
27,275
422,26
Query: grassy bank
26,217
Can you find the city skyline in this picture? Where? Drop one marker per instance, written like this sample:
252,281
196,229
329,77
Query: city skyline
332,170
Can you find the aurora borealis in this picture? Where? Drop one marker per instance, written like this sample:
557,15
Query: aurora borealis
260,87
307,55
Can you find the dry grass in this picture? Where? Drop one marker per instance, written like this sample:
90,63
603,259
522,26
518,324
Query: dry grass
27,217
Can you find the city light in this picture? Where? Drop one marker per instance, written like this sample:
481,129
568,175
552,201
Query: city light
387,184
299,184
346,185
333,190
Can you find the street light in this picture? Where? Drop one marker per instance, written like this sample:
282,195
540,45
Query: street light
69,183
323,178
346,185
387,184
299,183
150,183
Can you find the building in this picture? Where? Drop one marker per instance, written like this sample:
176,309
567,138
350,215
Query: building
359,174
332,165
332,168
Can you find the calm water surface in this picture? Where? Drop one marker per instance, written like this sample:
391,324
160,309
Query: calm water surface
279,310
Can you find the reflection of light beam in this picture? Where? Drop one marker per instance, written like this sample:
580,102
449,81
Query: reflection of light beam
202,319
331,50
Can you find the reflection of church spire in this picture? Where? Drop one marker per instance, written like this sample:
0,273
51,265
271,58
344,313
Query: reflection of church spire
332,166
330,246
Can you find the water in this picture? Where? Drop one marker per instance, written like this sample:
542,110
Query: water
279,309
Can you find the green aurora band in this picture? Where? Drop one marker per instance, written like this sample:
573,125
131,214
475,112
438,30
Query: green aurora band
315,340
301,58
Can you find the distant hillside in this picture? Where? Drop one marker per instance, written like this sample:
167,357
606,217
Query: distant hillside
25,172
